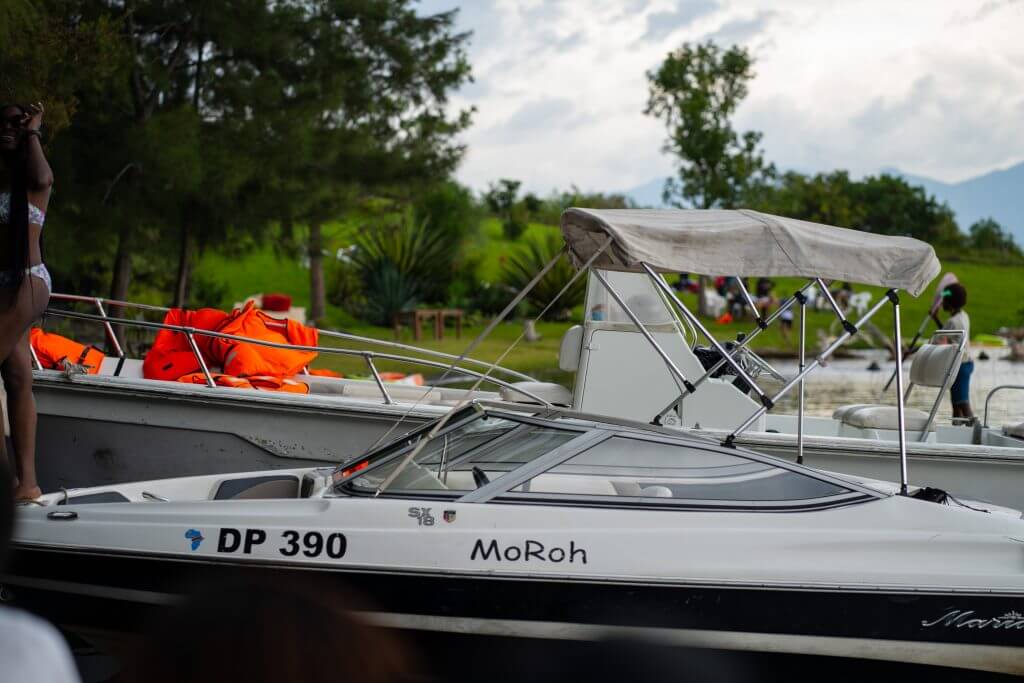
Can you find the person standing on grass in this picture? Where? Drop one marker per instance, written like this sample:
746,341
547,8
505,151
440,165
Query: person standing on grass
954,299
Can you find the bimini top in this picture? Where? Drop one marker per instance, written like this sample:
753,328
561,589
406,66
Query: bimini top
746,244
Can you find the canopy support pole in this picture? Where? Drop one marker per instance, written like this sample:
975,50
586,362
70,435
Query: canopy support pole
847,325
729,440
898,339
751,304
742,343
695,321
799,296
643,330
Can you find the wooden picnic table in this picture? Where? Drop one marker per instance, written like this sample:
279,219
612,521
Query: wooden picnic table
417,316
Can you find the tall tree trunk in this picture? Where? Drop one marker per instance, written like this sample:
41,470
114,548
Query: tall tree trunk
184,266
122,277
317,292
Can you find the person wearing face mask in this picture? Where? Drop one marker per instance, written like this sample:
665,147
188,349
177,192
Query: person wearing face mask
24,281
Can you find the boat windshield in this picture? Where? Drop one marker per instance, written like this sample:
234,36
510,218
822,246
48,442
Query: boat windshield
462,458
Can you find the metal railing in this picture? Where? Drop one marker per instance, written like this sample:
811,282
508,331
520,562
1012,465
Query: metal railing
108,322
1001,387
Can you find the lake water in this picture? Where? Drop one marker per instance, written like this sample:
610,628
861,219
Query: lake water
848,380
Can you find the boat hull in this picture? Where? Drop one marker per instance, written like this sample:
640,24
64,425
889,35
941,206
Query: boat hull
95,433
107,593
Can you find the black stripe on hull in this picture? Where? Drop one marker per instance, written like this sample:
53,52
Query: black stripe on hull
118,593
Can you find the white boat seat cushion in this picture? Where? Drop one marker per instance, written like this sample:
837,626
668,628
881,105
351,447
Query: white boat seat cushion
555,394
841,412
933,363
885,417
1016,430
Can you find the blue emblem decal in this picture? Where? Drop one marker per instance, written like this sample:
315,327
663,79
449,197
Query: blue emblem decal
196,536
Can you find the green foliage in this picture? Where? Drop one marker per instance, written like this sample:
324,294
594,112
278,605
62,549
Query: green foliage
695,92
988,235
524,264
502,200
450,209
550,209
400,266
881,204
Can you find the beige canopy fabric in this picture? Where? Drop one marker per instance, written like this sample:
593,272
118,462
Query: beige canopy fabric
746,244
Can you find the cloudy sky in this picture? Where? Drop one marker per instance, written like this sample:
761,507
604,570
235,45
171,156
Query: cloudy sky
932,87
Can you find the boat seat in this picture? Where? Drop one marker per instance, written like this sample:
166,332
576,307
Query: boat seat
1016,431
254,488
553,393
841,412
932,366
885,417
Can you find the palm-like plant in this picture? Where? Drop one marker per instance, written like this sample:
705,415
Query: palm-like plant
524,264
401,266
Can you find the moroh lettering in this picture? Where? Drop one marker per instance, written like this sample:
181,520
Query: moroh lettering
529,551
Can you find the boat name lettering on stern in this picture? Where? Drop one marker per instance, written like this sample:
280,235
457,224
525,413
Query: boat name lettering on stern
529,551
960,618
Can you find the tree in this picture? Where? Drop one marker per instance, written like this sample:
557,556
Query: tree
988,235
695,92
363,109
891,206
502,198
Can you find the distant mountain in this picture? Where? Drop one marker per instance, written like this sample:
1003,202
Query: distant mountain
648,195
998,194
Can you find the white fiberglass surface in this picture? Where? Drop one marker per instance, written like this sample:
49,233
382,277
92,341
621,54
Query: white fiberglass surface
639,293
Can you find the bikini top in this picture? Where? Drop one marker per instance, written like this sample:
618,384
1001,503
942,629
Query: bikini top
35,214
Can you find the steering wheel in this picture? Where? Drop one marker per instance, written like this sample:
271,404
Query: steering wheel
480,477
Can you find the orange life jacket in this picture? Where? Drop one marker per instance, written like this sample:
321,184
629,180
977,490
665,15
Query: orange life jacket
285,384
243,359
53,349
261,382
171,356
324,372
219,379
402,378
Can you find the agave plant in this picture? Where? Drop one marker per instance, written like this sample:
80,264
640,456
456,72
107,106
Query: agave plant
524,264
401,266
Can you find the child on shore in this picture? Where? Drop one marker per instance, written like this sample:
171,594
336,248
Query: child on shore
954,299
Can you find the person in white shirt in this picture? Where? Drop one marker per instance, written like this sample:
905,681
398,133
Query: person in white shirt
30,648
954,299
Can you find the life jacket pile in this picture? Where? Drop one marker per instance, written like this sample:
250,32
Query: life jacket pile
55,352
243,365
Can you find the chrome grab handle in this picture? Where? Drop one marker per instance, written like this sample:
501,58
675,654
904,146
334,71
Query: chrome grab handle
984,422
100,301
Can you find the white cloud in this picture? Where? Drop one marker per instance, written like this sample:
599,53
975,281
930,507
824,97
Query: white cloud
933,87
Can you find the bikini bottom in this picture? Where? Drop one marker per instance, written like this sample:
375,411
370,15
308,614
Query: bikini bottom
8,278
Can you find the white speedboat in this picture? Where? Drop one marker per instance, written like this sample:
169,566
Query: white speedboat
116,425
537,526
636,354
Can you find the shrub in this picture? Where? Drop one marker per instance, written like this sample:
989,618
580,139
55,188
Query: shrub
401,266
524,264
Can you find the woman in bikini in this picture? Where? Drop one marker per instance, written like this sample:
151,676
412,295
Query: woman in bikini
24,281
